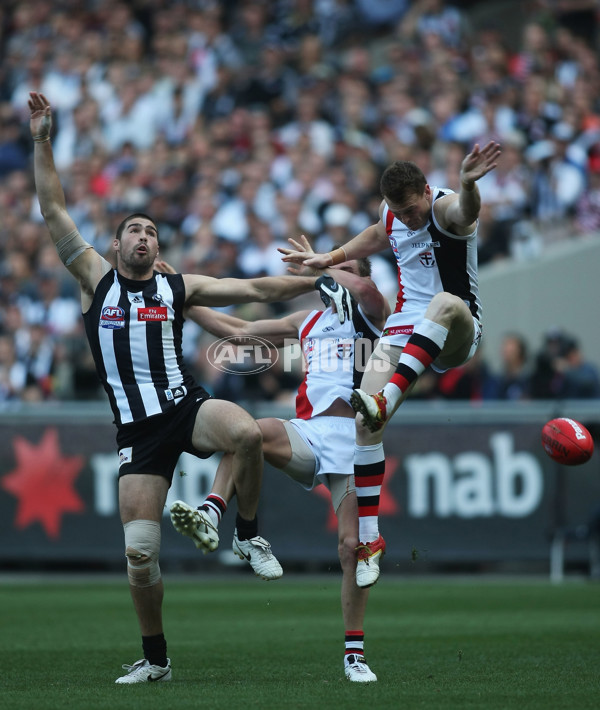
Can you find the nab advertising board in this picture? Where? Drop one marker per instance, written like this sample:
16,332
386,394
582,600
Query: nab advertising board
462,485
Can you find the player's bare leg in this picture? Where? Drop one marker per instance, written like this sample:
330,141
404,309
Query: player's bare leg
223,426
354,599
369,471
141,501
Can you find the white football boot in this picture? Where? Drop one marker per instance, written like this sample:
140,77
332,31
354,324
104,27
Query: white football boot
196,524
143,671
257,551
357,670
369,555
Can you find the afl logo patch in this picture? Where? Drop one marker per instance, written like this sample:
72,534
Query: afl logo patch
112,317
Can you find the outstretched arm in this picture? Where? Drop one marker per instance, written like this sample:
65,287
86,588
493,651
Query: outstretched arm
83,262
370,241
208,291
458,213
363,289
223,325
49,190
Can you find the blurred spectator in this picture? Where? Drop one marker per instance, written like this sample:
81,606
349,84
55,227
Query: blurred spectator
380,13
240,124
546,381
79,136
505,193
13,373
82,382
336,222
514,381
557,182
308,124
272,84
473,381
220,100
562,372
13,155
434,20
38,357
587,209
581,379
578,16
210,46
535,56
132,116
49,308
259,257
249,32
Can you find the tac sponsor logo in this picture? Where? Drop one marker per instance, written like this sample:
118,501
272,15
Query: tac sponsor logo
152,313
242,356
112,317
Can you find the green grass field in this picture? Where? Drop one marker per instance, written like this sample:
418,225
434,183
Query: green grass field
242,643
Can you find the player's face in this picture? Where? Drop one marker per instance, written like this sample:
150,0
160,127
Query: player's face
138,247
414,211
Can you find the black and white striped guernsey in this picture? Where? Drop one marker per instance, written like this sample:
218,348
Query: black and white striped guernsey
134,329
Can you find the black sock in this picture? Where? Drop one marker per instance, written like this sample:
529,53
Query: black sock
246,528
155,649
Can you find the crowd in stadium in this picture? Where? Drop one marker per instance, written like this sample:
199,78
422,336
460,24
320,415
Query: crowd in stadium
238,124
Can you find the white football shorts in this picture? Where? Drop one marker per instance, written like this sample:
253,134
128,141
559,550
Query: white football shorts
322,452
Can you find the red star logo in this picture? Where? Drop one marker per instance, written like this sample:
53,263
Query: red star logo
387,503
43,483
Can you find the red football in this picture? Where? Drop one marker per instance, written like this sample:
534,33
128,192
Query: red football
567,441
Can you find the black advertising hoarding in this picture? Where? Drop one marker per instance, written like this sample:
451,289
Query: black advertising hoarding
463,484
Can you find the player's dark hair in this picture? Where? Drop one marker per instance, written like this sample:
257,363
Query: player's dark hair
402,179
128,219
364,266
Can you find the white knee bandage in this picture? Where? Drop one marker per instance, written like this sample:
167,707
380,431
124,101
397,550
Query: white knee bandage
142,548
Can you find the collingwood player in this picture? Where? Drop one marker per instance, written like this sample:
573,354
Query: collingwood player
133,320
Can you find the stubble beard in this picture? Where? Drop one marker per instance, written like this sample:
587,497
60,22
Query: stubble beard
138,265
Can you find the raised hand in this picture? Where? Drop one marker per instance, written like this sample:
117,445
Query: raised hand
479,162
302,254
40,122
302,246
